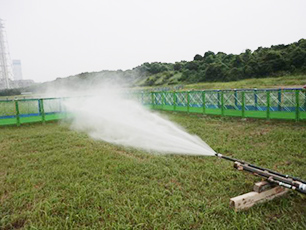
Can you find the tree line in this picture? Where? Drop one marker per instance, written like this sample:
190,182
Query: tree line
263,62
9,92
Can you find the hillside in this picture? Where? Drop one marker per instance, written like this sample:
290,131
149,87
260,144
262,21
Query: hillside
276,61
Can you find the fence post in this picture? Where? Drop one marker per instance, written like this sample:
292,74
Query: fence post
279,99
17,112
297,101
42,110
203,101
188,101
243,104
268,104
255,99
235,98
62,110
142,101
222,103
162,99
152,99
304,99
218,96
174,100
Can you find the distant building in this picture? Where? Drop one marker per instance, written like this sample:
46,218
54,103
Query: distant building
17,72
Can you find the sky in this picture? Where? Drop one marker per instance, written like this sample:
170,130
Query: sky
60,38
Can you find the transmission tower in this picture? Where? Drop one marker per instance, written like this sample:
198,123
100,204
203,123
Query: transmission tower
6,73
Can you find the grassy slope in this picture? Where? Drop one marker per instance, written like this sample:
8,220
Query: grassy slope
51,177
271,82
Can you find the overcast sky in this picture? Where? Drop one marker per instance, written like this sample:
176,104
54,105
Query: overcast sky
58,38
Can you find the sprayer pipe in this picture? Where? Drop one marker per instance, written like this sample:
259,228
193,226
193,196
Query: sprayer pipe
295,185
260,168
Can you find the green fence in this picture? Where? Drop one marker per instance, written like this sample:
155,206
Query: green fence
17,112
270,104
263,103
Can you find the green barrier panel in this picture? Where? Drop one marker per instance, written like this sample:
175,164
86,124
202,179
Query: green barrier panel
157,100
195,102
213,111
8,113
147,99
212,103
255,103
29,111
181,101
55,116
8,121
23,111
302,102
283,104
168,101
54,108
232,103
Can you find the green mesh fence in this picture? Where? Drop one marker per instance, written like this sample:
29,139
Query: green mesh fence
7,113
269,104
264,103
302,104
17,112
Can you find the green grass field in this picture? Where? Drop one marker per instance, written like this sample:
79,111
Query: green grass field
54,178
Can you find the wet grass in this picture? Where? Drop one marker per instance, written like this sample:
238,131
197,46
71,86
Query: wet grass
54,178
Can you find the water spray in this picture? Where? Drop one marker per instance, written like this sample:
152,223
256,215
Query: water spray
271,176
111,117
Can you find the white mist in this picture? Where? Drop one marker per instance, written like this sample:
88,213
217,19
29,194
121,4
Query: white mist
111,117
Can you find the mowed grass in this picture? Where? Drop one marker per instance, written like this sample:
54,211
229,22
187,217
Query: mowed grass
55,178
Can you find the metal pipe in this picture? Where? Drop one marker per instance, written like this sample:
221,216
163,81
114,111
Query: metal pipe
272,176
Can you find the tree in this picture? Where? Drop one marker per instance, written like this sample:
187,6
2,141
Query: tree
216,72
192,65
298,57
177,66
208,53
198,57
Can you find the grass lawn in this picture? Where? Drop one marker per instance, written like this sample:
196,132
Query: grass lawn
54,178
